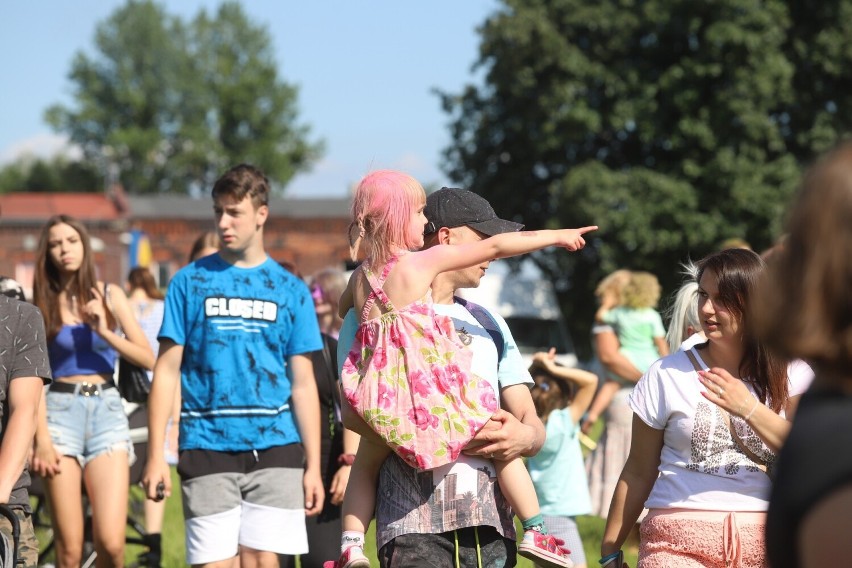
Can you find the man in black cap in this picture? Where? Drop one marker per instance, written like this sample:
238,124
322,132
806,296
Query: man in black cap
457,511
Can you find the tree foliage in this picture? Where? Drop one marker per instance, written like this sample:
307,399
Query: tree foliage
167,105
672,124
56,174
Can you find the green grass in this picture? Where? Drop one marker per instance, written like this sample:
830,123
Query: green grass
591,531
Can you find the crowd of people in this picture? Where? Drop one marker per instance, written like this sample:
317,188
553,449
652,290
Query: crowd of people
296,412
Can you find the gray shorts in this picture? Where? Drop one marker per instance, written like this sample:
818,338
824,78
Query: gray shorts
260,507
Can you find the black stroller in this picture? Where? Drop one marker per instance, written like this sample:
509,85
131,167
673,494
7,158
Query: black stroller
9,550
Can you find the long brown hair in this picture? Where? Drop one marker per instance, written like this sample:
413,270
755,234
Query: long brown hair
737,274
46,281
141,277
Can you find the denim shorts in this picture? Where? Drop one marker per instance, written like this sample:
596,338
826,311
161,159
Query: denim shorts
84,427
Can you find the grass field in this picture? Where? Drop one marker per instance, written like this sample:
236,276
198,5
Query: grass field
591,530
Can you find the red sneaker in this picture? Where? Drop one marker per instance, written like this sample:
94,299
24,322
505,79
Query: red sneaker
545,550
352,557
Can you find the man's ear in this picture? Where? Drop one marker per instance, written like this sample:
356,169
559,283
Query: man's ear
262,215
445,236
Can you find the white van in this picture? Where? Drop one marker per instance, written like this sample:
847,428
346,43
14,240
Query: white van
525,298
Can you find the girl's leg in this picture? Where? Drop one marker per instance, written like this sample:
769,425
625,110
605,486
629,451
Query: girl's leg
517,487
359,502
66,512
107,483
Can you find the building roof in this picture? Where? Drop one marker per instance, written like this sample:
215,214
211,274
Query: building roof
29,206
184,207
26,207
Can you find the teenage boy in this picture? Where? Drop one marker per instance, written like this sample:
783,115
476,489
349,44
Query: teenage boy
238,331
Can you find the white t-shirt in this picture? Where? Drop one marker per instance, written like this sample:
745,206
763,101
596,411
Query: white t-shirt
701,467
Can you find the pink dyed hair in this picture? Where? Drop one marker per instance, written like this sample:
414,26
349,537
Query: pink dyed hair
381,212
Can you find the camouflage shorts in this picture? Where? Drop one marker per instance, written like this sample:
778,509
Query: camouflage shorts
28,547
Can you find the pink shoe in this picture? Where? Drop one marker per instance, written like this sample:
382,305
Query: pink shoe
352,557
545,550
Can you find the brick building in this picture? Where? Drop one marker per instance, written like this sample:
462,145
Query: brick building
309,233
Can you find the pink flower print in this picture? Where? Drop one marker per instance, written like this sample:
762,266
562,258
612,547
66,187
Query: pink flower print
351,396
423,462
397,337
454,449
380,359
422,418
445,326
385,396
474,427
488,400
459,377
419,308
420,382
366,335
350,366
443,379
407,455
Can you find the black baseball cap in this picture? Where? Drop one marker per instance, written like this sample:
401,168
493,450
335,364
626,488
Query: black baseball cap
453,207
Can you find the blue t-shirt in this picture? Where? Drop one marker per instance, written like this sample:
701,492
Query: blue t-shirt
238,326
557,471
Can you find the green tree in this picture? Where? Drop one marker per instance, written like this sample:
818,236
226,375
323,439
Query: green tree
167,105
672,124
56,174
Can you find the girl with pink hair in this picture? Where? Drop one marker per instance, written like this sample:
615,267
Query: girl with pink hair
408,375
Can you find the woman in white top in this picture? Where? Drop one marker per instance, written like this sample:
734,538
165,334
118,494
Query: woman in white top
707,422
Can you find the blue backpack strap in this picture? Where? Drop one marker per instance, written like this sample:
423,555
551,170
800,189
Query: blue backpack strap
487,321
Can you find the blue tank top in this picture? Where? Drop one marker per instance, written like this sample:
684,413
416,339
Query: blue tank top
79,350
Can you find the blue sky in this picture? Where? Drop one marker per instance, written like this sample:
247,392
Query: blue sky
365,72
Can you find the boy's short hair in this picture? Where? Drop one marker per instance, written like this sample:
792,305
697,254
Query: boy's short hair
241,181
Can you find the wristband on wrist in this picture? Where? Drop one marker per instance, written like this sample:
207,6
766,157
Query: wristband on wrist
609,558
751,412
346,459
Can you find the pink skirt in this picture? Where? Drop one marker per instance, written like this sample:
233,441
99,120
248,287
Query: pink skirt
675,538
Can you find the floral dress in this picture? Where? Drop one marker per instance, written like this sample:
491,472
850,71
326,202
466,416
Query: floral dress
409,377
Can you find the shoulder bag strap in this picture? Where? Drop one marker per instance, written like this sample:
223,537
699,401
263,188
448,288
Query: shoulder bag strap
487,321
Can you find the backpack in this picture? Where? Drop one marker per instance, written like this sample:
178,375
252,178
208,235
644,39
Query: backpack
487,321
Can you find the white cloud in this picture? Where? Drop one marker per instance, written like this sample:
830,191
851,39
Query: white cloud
43,145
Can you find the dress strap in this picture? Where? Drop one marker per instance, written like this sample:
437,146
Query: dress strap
376,284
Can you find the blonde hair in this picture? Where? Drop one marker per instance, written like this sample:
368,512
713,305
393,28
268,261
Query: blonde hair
683,312
613,282
381,212
641,291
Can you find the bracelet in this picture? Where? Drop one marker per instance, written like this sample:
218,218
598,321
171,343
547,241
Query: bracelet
609,557
346,459
753,408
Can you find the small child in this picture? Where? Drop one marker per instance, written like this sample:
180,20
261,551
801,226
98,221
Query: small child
408,375
561,396
639,328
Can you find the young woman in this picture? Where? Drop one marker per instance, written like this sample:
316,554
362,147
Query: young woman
707,422
82,435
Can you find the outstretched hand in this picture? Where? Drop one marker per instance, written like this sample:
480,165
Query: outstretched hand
572,239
